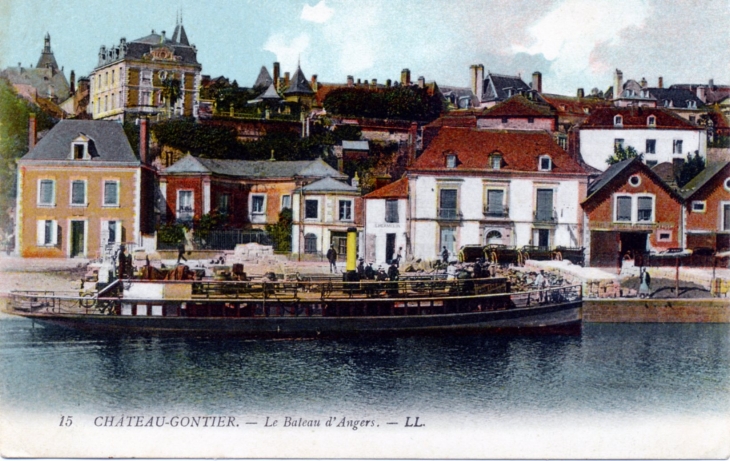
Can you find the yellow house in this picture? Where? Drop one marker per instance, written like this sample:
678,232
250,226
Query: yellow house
80,189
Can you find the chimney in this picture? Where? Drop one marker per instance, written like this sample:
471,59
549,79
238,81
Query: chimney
388,83
350,81
162,37
711,83
643,82
314,82
31,132
618,84
421,82
701,93
276,75
537,81
661,82
286,78
405,77
355,180
374,83
477,80
72,88
359,82
581,93
143,140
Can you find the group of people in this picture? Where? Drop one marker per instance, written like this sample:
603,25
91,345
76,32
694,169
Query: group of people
366,272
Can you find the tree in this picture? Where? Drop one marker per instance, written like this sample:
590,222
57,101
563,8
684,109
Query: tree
690,168
281,232
620,154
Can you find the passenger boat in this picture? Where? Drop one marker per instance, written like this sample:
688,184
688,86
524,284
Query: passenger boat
300,309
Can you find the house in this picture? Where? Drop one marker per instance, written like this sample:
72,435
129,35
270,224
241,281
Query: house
707,208
630,211
246,193
44,81
494,88
321,214
518,113
132,78
81,189
479,187
656,133
386,222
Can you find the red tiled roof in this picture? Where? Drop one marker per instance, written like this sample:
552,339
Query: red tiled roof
520,150
397,189
518,106
636,117
467,120
568,105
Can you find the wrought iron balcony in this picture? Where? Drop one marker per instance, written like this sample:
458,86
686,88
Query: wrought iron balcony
501,213
545,216
449,214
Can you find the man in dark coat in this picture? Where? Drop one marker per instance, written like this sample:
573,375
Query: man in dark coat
181,252
332,258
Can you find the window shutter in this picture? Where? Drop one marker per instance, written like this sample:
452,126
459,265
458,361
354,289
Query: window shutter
41,233
495,204
623,208
644,206
726,217
77,193
54,232
544,204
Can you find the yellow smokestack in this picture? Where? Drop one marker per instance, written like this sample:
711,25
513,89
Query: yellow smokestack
351,249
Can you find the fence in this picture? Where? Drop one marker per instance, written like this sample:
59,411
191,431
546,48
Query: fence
227,240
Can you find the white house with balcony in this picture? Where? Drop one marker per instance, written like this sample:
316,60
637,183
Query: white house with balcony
386,223
658,134
478,187
321,214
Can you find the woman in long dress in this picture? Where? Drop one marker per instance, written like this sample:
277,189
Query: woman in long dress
644,290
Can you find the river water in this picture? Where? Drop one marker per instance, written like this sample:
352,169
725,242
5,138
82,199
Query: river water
614,387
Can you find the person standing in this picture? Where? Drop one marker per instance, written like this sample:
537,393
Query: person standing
122,261
332,258
397,259
540,285
445,255
645,287
181,252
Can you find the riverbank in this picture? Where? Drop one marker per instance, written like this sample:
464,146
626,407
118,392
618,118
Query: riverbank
707,310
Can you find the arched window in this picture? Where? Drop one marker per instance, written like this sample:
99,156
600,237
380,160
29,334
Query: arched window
310,244
493,237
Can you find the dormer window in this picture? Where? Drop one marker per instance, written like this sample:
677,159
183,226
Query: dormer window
651,121
80,148
545,163
495,161
691,104
618,121
450,161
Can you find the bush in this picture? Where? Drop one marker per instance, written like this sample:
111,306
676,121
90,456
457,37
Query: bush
171,234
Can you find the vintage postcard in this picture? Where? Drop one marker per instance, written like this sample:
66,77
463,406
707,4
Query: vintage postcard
310,229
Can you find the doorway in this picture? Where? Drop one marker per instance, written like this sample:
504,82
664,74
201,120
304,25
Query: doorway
633,244
448,240
389,247
339,241
77,238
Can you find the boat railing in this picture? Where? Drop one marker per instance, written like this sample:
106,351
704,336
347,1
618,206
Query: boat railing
552,295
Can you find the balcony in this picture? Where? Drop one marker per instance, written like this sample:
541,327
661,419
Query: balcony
449,214
496,213
185,213
545,216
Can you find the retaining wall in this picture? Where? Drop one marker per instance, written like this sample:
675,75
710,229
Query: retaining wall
656,310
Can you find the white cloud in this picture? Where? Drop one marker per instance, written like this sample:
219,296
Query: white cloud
287,51
319,13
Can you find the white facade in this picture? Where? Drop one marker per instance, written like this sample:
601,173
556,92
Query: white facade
320,220
512,222
596,145
385,231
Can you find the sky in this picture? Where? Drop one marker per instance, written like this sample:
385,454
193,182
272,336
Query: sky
573,43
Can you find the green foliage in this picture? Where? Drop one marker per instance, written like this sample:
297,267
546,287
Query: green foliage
132,132
719,141
383,159
690,168
280,232
348,132
171,91
171,234
400,102
620,154
207,223
14,114
201,140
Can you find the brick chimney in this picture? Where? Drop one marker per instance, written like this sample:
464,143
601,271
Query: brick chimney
661,82
350,81
72,88
477,80
286,78
643,82
143,135
581,93
405,77
314,82
421,82
277,72
537,81
618,84
31,132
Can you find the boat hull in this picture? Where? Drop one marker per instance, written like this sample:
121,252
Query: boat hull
549,318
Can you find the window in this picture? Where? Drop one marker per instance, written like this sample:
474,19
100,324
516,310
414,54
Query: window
146,77
47,192
726,217
544,210
345,210
285,201
495,202
113,231
623,208
451,161
111,193
47,233
391,210
78,193
530,119
692,118
493,237
112,77
496,162
310,244
224,204
257,204
651,163
311,209
677,146
618,143
651,146
545,164
699,206
635,180
79,150
651,121
505,119
185,210
447,204
618,121
726,184
664,236
645,209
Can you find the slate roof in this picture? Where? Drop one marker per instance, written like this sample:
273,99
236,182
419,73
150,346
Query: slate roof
500,84
394,190
138,48
46,81
704,176
679,97
180,36
299,84
329,184
269,95
520,151
355,145
108,142
636,117
254,169
519,106
264,79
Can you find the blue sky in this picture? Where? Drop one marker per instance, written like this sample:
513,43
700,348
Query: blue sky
574,43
